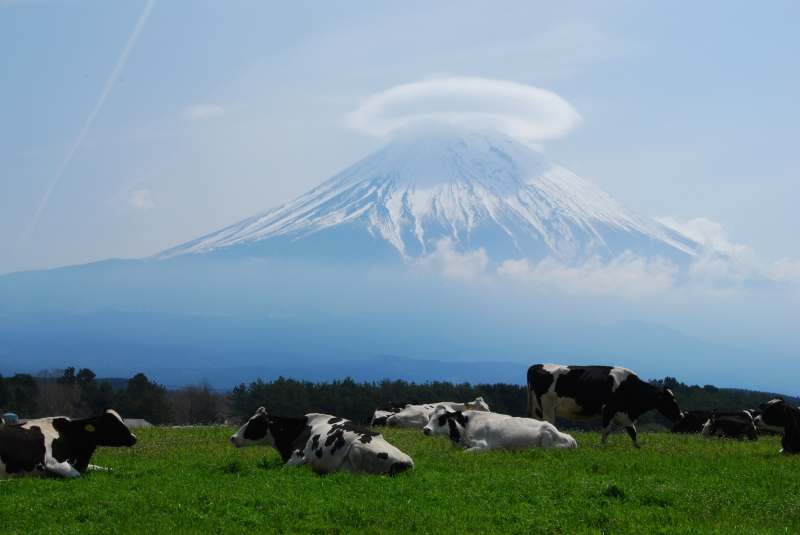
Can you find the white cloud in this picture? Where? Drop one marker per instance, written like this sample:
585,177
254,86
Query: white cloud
783,270
522,111
626,275
470,265
203,111
719,260
142,199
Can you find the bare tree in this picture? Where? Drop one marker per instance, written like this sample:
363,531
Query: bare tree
55,397
198,404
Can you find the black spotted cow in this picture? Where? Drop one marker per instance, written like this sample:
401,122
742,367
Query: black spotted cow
417,416
588,392
483,431
378,417
730,425
59,447
323,442
780,416
692,422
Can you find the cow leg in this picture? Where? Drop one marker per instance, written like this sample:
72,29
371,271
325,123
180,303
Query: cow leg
608,418
60,469
631,429
549,408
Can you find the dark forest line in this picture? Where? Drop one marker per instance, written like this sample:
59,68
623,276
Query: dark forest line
77,394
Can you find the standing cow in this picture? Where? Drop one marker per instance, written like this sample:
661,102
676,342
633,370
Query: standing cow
325,443
588,392
59,447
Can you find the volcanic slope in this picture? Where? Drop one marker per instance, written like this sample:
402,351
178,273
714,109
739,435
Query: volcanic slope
479,189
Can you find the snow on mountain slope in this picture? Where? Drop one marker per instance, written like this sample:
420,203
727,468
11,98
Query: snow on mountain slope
478,188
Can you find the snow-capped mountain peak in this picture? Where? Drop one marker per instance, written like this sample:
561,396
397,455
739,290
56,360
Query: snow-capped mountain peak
478,188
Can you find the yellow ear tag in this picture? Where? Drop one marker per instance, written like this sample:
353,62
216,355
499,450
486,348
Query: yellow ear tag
90,428
468,406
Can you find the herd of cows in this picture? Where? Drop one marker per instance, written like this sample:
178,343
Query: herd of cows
61,447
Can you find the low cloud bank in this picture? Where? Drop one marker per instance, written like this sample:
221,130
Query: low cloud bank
721,267
625,275
452,264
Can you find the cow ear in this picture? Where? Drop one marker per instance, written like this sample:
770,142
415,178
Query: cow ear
261,410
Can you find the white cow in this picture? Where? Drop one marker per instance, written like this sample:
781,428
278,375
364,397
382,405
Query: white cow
326,443
419,415
483,431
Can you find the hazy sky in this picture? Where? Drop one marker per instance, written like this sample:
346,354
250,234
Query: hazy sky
130,127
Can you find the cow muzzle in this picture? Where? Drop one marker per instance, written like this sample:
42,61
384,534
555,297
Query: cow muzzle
235,442
428,431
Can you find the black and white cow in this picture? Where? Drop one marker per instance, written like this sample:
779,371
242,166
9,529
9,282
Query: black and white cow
59,447
325,443
588,392
692,422
780,416
483,431
377,418
417,416
730,425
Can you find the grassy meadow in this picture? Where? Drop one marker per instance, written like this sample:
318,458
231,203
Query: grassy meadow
191,480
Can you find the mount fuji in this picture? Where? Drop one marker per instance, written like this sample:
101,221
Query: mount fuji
479,189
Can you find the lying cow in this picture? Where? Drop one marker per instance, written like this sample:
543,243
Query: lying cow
325,443
483,431
417,416
59,447
691,422
378,417
780,416
730,425
588,392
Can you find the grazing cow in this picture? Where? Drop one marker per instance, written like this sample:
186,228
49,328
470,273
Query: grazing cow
588,392
325,443
418,415
380,414
730,425
692,422
59,447
483,431
779,415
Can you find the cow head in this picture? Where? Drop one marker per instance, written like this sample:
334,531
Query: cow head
667,406
411,416
710,427
773,415
109,429
477,405
444,421
255,432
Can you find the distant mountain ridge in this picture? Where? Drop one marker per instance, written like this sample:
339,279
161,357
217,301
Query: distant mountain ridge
479,189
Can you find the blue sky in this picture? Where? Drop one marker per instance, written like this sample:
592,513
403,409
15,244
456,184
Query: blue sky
225,109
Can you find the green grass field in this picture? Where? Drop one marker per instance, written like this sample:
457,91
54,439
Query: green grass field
193,481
